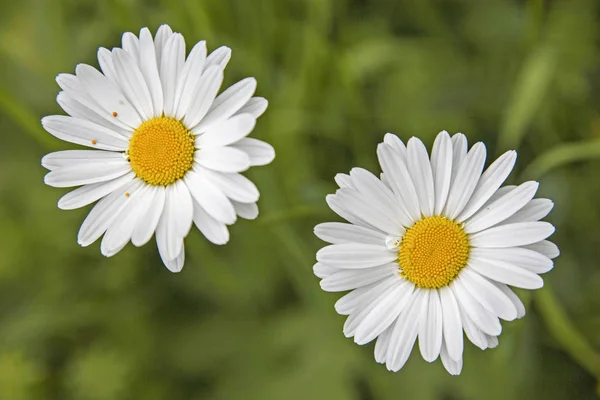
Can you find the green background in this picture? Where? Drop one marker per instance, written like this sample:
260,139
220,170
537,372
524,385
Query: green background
248,320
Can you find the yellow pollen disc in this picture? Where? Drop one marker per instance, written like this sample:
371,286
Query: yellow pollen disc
433,251
161,151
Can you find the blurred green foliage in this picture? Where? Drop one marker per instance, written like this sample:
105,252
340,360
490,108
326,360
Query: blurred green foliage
248,320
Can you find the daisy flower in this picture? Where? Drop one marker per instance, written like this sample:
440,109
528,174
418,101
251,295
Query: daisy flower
431,248
166,150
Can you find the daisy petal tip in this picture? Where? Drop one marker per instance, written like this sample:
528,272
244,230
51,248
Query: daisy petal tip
83,243
63,205
251,81
45,120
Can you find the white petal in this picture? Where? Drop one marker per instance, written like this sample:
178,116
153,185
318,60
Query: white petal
164,240
459,152
228,103
260,153
499,193
187,82
474,334
256,106
203,96
86,174
340,209
338,232
107,95
220,57
518,234
385,181
404,333
68,158
502,208
82,109
397,173
397,145
235,186
546,248
452,365
245,210
132,83
374,214
513,297
535,210
430,324
322,270
88,194
451,323
488,295
84,133
419,168
489,183
104,213
182,201
521,257
149,69
344,181
146,226
381,345
106,64
131,45
170,226
211,198
78,98
176,265
492,341
223,159
119,233
163,34
380,197
215,231
484,319
371,300
226,132
385,312
172,60
351,301
504,272
464,184
348,279
355,255
441,165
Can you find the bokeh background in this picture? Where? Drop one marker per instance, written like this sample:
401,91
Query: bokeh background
248,320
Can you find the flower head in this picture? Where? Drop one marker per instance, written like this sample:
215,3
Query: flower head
431,248
167,151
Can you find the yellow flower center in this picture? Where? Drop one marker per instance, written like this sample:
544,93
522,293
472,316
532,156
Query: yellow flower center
161,151
433,251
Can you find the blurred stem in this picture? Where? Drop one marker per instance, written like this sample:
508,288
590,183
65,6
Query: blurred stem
536,11
563,154
25,119
305,283
563,330
561,327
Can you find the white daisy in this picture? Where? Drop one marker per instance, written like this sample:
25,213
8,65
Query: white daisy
430,249
166,149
